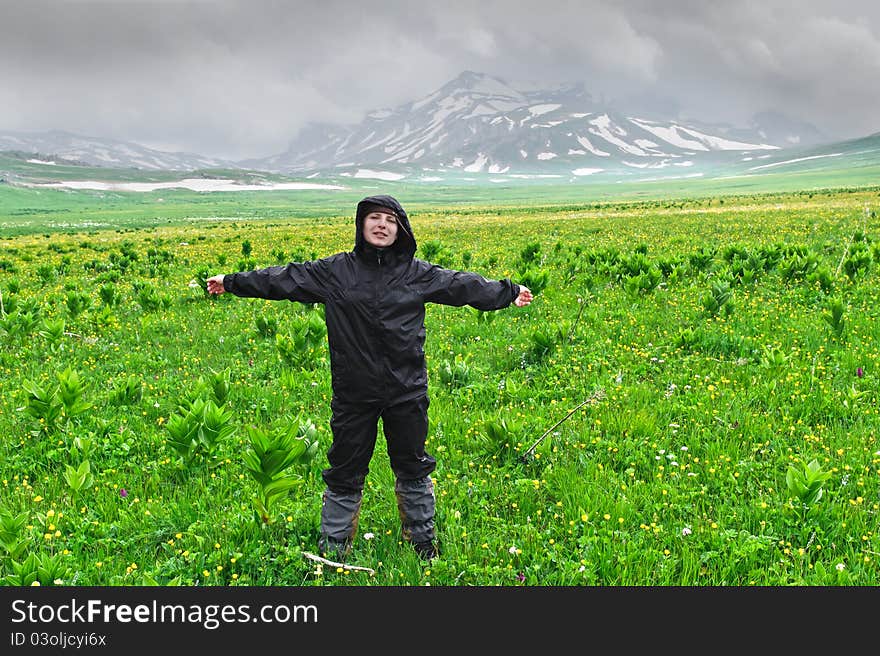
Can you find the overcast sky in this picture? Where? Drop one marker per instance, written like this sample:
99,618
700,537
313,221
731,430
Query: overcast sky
238,78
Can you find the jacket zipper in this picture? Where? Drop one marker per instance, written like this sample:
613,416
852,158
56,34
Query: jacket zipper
381,280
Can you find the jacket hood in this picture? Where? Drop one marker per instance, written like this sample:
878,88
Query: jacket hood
405,244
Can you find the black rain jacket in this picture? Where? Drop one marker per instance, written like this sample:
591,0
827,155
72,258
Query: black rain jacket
374,301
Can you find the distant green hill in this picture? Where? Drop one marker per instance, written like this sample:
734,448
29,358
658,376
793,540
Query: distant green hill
27,209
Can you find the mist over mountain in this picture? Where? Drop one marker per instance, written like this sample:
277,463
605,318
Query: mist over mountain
476,124
480,124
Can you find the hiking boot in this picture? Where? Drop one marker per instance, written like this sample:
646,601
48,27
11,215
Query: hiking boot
334,549
427,550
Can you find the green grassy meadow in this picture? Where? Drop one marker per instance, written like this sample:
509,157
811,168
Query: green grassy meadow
720,354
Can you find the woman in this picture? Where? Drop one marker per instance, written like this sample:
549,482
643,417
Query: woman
374,299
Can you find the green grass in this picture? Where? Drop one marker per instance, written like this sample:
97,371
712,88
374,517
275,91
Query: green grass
708,323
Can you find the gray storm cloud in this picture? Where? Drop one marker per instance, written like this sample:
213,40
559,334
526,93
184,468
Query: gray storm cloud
237,79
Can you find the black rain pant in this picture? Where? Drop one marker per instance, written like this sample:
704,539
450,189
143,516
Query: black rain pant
355,427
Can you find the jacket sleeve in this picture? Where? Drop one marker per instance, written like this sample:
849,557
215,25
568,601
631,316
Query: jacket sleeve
450,287
297,281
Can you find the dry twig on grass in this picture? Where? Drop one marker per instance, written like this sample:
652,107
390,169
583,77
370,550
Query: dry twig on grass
598,395
318,559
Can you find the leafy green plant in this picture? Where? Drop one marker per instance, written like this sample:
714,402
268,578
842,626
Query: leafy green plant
77,303
535,280
429,249
701,260
52,330
128,392
718,300
805,483
266,326
195,431
543,341
24,573
304,343
12,527
79,477
43,403
833,316
500,435
84,445
109,294
201,277
52,569
71,390
148,298
270,455
798,265
643,283
530,254
219,386
45,274
822,277
455,373
774,358
858,261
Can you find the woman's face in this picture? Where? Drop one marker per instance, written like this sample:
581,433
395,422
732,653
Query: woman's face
380,229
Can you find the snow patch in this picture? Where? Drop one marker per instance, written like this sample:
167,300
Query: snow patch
193,184
586,171
792,161
378,175
477,165
41,161
719,143
672,177
669,135
546,155
583,141
603,128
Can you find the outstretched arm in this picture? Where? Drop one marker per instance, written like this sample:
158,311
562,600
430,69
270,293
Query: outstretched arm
451,287
305,281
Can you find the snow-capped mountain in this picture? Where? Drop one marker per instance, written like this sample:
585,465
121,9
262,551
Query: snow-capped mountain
478,123
104,152
474,124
